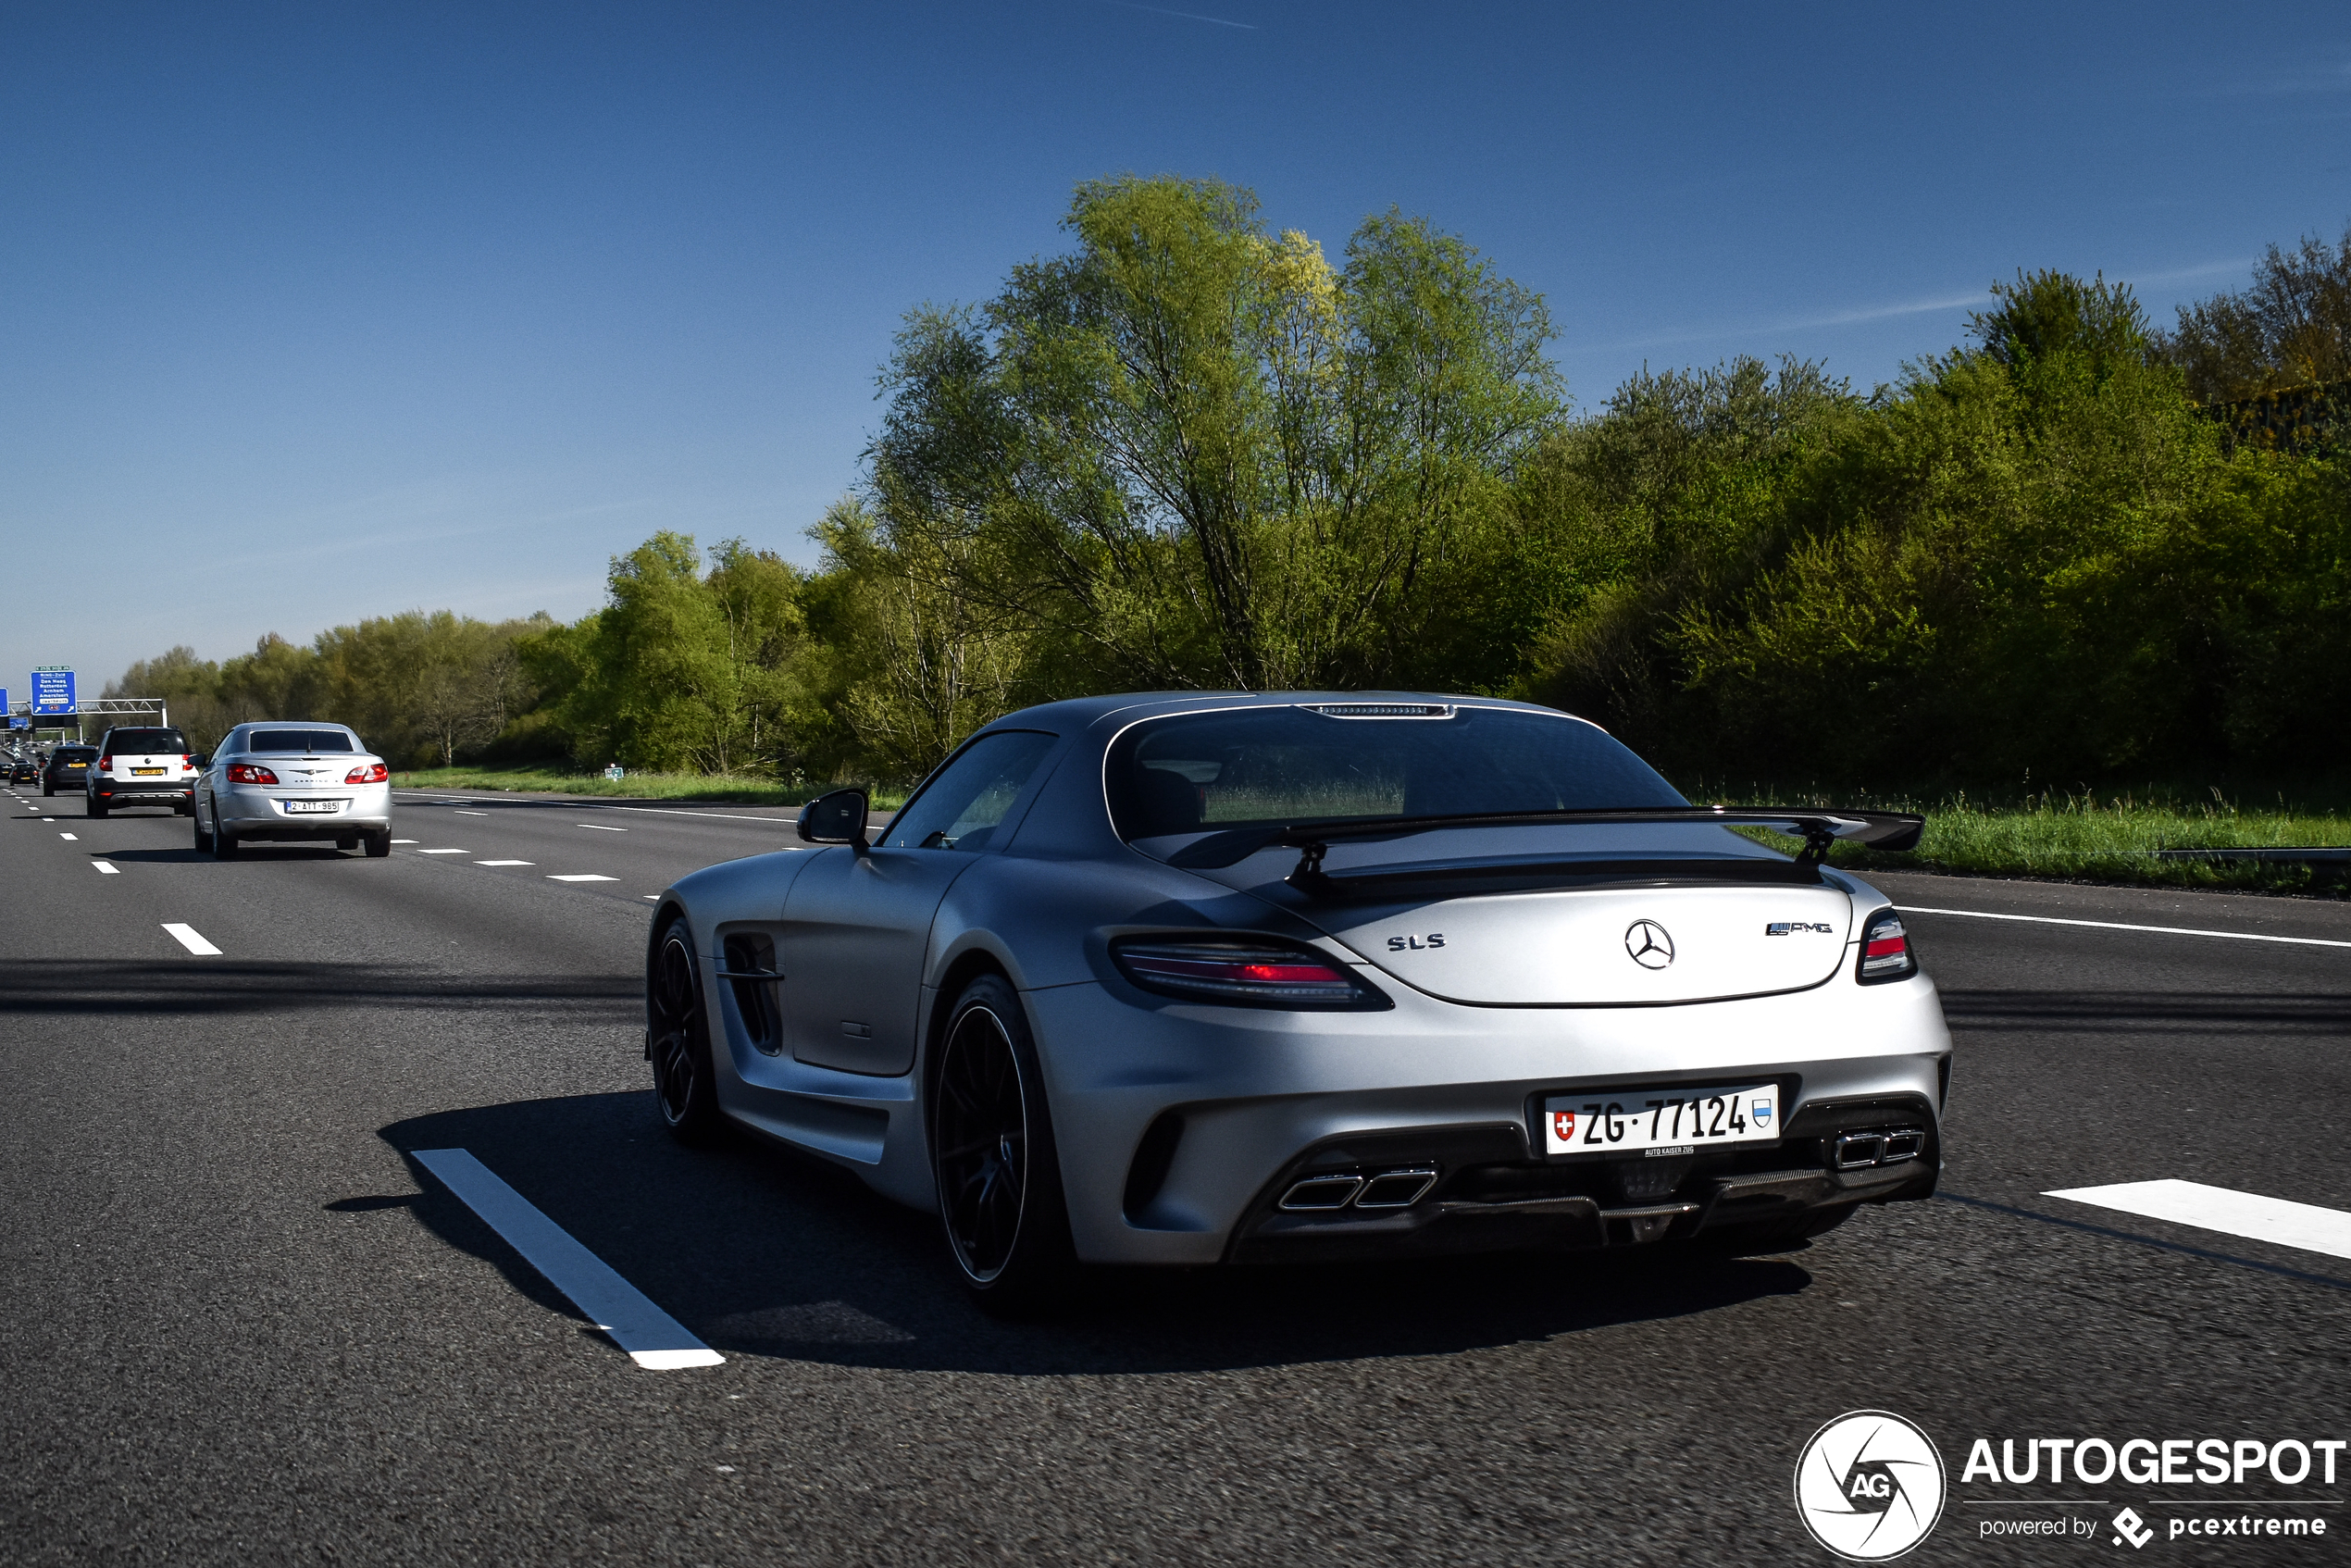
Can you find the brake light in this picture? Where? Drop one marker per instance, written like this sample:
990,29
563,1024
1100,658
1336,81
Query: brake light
188,761
1245,973
105,764
363,774
247,772
1886,949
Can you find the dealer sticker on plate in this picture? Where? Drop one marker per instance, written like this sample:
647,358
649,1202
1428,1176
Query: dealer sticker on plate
1672,1121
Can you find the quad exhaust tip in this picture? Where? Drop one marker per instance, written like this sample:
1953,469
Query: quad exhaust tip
1385,1189
1889,1146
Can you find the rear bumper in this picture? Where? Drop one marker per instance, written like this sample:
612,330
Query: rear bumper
143,791
1181,1127
254,814
1490,1195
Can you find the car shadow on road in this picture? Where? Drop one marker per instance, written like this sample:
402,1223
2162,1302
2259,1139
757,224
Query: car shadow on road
246,854
2199,1013
762,1252
83,988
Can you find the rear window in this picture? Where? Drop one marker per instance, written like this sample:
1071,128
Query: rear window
74,754
147,740
299,740
1264,767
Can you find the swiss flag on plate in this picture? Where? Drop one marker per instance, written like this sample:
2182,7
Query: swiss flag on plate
1563,1126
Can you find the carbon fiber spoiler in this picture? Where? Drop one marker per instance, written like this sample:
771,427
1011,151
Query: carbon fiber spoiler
1895,830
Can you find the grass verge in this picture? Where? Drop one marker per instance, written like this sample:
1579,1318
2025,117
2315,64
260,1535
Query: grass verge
2090,837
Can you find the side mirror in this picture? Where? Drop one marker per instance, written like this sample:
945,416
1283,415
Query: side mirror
837,818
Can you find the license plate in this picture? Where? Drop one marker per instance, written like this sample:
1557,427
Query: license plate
1660,1120
313,805
147,773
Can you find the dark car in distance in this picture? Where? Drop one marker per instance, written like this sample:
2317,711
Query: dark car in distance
68,767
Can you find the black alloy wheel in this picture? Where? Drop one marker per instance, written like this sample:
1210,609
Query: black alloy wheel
1000,1192
677,1040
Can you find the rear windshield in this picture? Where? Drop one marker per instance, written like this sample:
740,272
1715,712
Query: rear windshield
299,740
72,754
1268,766
147,740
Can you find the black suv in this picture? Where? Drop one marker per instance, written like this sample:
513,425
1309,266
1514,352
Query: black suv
68,765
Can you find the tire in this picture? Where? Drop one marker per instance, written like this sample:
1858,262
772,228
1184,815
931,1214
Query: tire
992,1153
184,808
92,807
47,789
380,844
346,845
677,1040
204,840
224,844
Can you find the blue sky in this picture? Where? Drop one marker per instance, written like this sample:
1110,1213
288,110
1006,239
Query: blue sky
314,312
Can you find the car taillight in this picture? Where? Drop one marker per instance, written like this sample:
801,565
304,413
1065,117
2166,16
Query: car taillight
1886,949
366,775
1245,973
188,761
245,772
105,764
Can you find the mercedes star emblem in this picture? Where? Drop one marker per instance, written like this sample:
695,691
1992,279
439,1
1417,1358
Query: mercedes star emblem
1648,944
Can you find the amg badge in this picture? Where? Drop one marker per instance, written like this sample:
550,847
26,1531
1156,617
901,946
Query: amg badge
1786,927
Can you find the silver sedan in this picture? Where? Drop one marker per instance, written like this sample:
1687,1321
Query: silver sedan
293,781
1187,979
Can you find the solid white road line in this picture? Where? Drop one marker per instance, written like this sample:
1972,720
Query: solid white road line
589,876
444,851
655,811
2118,926
186,937
600,827
2306,1226
106,869
502,863
653,1340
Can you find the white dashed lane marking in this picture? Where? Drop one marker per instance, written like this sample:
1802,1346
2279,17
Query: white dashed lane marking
2274,1220
67,837
502,863
473,814
2118,926
583,876
403,840
187,937
444,851
653,1340
600,827
105,869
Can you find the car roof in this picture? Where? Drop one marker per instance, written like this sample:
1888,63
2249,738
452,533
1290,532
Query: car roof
1077,712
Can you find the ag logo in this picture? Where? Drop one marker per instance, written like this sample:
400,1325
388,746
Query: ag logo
1869,1486
1648,944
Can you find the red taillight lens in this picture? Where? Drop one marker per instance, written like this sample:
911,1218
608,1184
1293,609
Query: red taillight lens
105,764
366,775
1886,949
1246,973
247,772
188,761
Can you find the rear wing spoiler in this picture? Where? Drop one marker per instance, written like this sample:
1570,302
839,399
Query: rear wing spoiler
1895,830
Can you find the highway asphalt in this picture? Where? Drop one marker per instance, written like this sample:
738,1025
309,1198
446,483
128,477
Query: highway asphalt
240,1324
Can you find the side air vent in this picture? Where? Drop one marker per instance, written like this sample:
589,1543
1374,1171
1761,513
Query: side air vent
751,976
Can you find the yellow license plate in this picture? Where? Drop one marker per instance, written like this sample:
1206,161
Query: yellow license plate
146,772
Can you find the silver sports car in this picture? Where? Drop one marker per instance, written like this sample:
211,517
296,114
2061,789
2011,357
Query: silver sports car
1186,978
